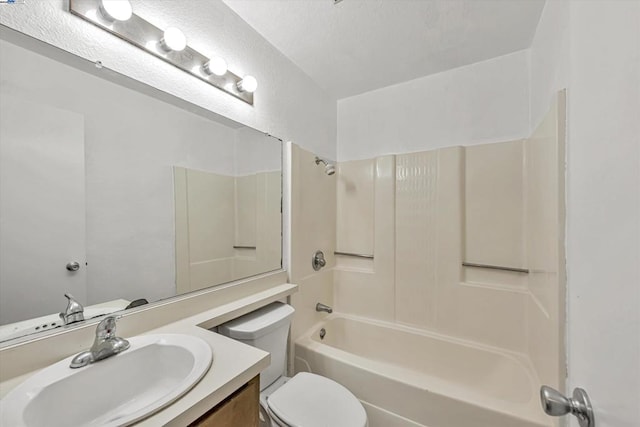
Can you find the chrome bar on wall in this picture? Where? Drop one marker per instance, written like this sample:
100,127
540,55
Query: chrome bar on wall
353,255
496,267
244,247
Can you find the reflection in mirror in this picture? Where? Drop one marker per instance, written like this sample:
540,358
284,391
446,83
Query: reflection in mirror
149,199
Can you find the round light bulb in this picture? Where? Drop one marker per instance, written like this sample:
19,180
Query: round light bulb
174,39
116,10
248,84
216,65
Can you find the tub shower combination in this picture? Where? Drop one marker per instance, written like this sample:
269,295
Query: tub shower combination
422,379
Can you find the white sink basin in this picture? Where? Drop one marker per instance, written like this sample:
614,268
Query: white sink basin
153,373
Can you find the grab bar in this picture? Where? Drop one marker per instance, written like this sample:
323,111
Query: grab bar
353,255
244,247
496,267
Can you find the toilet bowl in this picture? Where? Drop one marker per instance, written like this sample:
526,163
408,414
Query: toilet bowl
304,400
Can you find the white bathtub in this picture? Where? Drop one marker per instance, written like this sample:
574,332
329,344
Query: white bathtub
406,377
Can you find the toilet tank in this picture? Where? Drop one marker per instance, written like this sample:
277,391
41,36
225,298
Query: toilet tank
267,329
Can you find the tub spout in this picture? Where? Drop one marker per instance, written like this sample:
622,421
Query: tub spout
322,307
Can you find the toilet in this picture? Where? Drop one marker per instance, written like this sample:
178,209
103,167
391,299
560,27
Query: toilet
305,400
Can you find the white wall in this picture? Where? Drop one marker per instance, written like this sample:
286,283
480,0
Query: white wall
480,103
287,103
255,152
603,188
593,48
549,56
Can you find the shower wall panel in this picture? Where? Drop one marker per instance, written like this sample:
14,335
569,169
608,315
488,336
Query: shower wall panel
545,245
313,225
366,286
416,237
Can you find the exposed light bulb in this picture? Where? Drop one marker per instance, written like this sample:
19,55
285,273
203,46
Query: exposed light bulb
216,65
173,39
116,10
248,84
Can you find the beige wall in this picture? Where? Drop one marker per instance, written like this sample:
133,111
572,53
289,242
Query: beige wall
313,225
416,276
544,168
422,214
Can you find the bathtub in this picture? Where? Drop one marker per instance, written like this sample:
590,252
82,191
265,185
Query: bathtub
406,377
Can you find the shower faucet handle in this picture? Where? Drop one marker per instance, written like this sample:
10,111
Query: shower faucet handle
318,260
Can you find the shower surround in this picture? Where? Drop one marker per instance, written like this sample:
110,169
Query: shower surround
421,215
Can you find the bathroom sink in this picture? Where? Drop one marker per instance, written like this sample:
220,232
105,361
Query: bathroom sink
153,373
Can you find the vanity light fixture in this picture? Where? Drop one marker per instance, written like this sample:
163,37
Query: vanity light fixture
215,65
173,39
116,10
248,84
170,45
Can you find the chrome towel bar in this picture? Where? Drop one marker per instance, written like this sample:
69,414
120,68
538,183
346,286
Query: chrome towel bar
496,267
353,255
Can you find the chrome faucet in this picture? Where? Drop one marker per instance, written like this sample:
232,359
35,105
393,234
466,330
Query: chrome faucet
106,344
322,307
74,312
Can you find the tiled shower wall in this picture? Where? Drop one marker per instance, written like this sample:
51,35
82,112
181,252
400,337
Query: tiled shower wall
422,214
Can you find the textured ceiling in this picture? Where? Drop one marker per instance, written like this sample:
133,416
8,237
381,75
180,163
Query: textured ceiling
360,45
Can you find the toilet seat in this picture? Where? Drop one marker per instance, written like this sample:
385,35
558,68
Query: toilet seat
309,400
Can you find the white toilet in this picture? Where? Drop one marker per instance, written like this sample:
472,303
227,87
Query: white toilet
306,400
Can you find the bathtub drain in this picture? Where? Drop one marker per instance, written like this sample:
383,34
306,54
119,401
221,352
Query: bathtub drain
323,332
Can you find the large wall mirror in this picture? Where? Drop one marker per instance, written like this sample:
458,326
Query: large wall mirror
115,194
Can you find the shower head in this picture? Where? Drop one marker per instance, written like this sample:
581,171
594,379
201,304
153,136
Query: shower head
329,168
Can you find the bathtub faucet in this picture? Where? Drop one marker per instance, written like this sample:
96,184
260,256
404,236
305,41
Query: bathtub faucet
322,307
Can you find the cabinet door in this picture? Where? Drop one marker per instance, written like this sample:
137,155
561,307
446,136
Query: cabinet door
238,410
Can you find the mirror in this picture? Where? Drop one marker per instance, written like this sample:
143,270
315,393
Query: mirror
114,192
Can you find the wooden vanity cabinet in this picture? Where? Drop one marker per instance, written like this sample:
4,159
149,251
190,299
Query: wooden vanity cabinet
241,409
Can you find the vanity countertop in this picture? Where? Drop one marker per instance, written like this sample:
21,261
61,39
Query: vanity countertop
233,364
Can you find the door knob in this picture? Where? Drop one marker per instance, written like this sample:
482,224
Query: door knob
556,404
73,266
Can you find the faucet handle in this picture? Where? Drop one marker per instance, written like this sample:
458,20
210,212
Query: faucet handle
106,329
318,260
74,311
107,343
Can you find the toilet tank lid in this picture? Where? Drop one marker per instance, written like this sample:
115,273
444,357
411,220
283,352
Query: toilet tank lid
258,323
